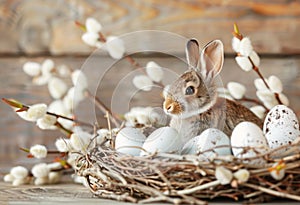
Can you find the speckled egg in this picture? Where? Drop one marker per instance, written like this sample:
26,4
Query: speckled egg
129,140
248,134
164,139
281,127
208,140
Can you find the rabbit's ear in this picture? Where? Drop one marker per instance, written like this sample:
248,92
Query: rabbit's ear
192,54
212,58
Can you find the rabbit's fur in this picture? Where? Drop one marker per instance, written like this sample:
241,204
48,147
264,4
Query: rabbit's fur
192,100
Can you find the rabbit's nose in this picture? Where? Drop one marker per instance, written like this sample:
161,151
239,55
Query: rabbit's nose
170,107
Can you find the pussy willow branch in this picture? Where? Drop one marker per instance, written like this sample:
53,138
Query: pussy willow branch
236,33
48,151
22,107
131,60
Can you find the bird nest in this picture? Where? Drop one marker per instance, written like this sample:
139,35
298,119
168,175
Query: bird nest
188,179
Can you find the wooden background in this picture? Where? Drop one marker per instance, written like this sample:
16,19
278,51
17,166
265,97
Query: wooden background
47,26
39,29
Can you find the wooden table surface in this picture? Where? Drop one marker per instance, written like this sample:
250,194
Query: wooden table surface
74,194
18,133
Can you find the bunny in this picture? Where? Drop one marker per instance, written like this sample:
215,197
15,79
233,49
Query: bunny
192,100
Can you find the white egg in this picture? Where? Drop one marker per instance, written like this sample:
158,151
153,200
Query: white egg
248,134
208,139
281,127
129,141
164,139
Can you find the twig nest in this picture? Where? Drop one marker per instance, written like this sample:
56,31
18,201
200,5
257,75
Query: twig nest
129,141
164,139
281,127
247,141
208,139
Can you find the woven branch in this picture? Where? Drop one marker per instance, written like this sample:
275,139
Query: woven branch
184,179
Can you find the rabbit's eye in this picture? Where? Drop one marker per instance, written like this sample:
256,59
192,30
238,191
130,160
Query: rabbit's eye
190,90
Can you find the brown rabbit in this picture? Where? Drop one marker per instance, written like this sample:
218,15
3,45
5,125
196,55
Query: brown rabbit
192,100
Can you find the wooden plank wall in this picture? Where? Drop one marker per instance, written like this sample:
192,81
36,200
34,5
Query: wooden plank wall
45,29
47,26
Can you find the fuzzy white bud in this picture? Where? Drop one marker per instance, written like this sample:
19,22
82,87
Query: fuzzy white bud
79,179
236,44
23,115
63,71
275,84
270,104
223,175
41,80
103,134
58,108
115,47
154,71
38,151
244,63
73,98
36,112
54,166
245,47
70,103
40,170
66,123
41,181
277,171
90,38
143,82
57,87
284,99
63,145
242,175
100,45
79,80
8,178
32,68
236,90
54,177
92,25
21,181
47,67
259,84
47,122
80,140
19,172
72,159
259,111
224,93
255,58
76,94
265,96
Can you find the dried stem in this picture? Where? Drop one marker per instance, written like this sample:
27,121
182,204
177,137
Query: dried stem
113,117
255,101
272,192
198,188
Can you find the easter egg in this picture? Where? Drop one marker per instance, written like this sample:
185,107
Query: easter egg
164,139
129,141
281,127
209,139
247,141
